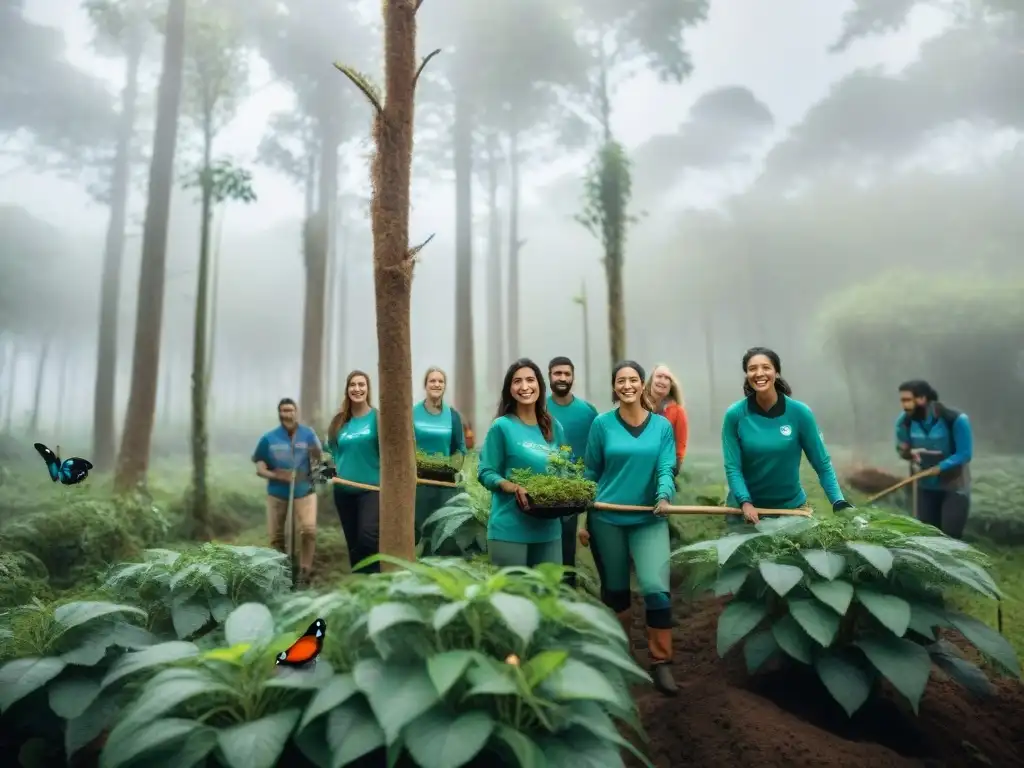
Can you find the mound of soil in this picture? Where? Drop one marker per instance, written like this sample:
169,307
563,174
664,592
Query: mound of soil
785,718
870,479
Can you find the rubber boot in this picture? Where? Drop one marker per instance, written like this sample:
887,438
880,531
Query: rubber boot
659,646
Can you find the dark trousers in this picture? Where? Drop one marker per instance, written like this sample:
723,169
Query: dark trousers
946,510
359,514
570,527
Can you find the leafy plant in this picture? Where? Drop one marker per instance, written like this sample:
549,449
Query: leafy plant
995,510
22,577
463,520
452,663
187,593
858,596
561,485
437,465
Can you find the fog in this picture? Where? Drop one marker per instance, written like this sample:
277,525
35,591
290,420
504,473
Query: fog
846,188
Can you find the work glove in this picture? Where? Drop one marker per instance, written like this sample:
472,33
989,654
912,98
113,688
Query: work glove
842,504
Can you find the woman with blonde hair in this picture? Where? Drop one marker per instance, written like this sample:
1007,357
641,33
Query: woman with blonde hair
353,443
439,432
664,391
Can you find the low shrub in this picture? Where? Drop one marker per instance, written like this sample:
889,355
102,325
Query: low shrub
186,594
231,511
859,596
22,577
995,505
462,522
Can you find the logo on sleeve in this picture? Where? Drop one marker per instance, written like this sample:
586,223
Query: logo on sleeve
786,430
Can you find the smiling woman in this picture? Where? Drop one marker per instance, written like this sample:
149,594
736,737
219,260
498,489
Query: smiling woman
523,436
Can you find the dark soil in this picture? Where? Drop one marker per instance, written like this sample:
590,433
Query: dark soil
870,479
549,511
445,475
785,718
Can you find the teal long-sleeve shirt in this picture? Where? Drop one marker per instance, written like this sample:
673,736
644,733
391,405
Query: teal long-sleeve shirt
356,451
510,444
763,450
631,465
433,431
575,418
954,441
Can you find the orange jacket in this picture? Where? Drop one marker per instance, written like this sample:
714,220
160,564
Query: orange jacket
676,415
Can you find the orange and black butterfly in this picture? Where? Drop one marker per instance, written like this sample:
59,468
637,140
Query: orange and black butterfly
304,651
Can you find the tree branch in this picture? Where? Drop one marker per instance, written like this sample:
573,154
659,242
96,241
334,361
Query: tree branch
362,85
423,63
414,251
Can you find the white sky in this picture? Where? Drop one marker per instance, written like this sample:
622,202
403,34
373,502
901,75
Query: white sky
777,49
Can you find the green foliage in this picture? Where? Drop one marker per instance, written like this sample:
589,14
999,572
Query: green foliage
462,520
449,661
995,505
607,191
187,594
860,596
226,182
563,483
438,463
22,577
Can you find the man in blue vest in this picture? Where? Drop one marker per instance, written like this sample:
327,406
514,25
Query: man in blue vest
285,455
939,440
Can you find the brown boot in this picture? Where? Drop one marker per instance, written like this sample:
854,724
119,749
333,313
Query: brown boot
659,646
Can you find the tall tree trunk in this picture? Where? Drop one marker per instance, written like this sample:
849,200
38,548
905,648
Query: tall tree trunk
465,364
495,332
331,324
62,392
709,363
104,431
392,271
200,523
318,241
616,305
133,462
167,405
585,306
12,387
514,245
211,345
37,397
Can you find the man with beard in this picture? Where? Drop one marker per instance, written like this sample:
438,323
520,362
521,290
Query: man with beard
938,439
283,456
575,415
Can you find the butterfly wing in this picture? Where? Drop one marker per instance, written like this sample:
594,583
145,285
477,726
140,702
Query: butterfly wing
307,648
52,462
74,470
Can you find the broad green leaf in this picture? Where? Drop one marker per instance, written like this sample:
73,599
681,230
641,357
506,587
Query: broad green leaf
71,695
490,678
829,565
727,545
518,613
736,622
73,615
352,732
902,662
730,580
83,729
35,753
880,557
835,594
983,577
90,651
987,640
818,621
758,648
446,612
958,571
524,749
947,658
613,656
163,693
340,689
780,577
575,680
189,618
893,612
785,526
925,618
941,544
446,669
221,608
155,655
257,744
540,667
386,615
162,735
849,684
441,739
21,677
596,616
233,655
592,717
301,679
793,640
576,747
398,693
249,623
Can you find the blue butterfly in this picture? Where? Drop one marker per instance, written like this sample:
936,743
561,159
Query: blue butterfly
69,472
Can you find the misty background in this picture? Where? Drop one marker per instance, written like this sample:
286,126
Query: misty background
842,182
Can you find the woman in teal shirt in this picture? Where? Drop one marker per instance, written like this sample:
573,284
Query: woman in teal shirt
353,443
764,437
631,455
523,436
438,430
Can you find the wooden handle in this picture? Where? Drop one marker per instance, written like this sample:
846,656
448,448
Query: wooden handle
687,510
365,487
901,484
